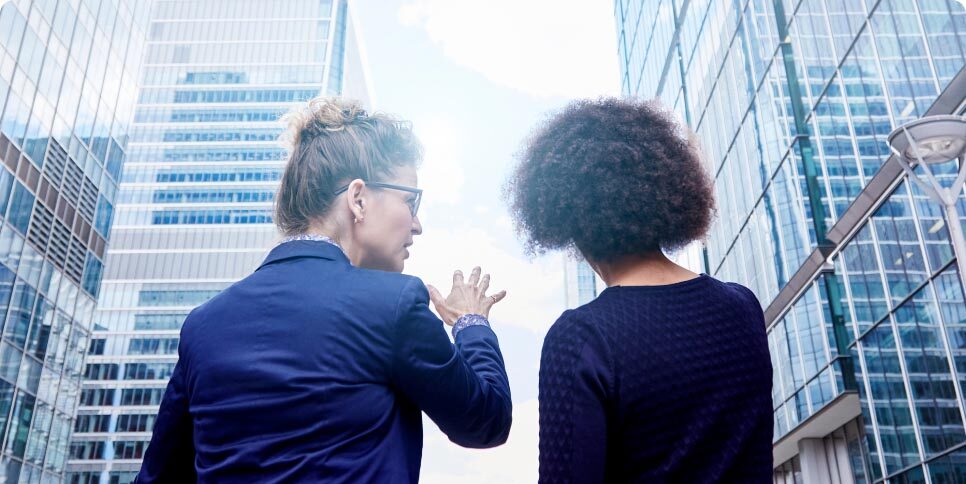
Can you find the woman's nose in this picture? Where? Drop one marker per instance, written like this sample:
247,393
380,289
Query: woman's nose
417,227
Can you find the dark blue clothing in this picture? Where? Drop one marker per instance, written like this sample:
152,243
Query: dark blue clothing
312,370
657,384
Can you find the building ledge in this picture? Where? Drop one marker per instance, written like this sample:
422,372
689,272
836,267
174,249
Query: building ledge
836,413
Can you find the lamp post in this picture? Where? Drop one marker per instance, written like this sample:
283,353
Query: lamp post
935,140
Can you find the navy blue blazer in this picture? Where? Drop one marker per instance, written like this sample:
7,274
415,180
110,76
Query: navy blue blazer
313,370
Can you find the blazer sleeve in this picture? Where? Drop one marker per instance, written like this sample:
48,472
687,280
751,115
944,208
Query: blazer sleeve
576,382
463,388
170,456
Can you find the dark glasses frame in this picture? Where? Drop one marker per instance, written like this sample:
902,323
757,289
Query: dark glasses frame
413,209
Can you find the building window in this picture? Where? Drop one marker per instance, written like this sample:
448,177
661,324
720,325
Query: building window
92,423
158,321
101,371
97,397
87,450
128,449
148,371
84,478
142,396
96,347
174,298
135,422
153,346
21,206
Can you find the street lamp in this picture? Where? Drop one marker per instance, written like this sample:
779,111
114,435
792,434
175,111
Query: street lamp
934,140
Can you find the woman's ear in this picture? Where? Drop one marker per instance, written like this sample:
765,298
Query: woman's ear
356,198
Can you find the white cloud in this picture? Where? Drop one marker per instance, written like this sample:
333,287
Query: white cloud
511,463
439,173
564,48
504,222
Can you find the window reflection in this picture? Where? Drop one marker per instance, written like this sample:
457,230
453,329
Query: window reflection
927,363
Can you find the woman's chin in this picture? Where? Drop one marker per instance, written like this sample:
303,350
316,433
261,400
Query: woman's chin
397,266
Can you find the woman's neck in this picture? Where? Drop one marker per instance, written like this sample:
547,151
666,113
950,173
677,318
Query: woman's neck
335,231
649,269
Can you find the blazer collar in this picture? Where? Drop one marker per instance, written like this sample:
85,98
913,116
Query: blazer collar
305,248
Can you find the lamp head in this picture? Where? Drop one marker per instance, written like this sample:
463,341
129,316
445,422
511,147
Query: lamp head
935,139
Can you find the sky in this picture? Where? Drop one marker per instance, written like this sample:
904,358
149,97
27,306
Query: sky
475,78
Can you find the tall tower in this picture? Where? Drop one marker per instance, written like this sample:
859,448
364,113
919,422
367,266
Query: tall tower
68,79
792,101
194,211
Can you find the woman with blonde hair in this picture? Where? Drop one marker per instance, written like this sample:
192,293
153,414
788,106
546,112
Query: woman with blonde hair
316,367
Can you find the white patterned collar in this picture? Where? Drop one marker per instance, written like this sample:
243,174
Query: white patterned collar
314,237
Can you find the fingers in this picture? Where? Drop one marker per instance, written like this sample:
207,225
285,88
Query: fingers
434,295
491,300
457,277
474,276
484,284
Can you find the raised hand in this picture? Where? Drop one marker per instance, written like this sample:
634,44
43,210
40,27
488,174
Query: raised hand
467,297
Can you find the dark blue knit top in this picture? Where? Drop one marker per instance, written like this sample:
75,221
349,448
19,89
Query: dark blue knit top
658,384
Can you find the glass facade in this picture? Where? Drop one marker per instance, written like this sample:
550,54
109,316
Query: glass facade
581,284
68,79
194,209
792,101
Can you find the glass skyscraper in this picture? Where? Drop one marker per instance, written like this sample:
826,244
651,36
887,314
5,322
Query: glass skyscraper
792,101
194,210
68,78
580,283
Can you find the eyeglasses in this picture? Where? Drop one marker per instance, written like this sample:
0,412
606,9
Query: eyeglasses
413,204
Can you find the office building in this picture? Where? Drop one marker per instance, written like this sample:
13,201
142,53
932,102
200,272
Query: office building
68,79
793,102
194,209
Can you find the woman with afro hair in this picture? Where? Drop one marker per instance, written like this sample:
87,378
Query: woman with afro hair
666,375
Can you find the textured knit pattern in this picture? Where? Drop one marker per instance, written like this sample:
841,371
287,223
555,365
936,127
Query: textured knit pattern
658,384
